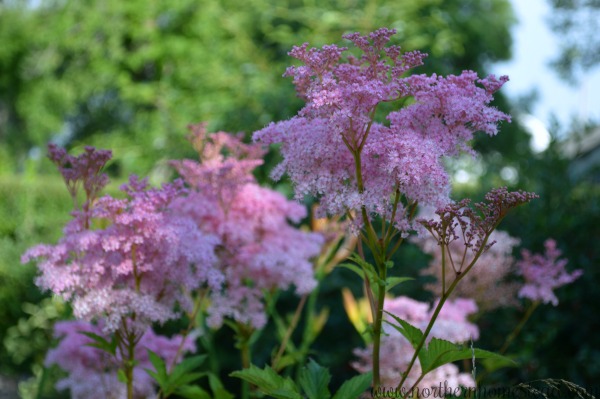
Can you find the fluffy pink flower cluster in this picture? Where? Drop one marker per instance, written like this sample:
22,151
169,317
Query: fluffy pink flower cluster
396,351
321,144
543,273
259,250
124,257
93,372
488,283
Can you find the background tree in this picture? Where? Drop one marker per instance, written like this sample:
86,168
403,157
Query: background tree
576,23
131,75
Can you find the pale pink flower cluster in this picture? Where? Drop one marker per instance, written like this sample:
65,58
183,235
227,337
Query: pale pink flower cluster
319,145
543,273
396,352
488,283
125,257
259,249
93,372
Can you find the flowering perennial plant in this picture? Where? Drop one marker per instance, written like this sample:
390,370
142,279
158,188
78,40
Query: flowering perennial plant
124,263
219,247
337,150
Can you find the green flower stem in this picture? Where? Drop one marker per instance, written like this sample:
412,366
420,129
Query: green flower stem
438,308
519,326
377,322
289,331
244,343
193,316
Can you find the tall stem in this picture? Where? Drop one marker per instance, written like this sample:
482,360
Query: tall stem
129,368
377,322
243,335
438,308
519,327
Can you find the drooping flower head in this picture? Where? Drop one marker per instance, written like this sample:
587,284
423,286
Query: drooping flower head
83,170
259,249
472,226
489,283
337,126
543,273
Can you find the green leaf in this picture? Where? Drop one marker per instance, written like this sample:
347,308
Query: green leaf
410,332
182,375
269,382
493,364
192,392
285,394
160,370
361,267
101,343
121,376
440,352
286,360
219,392
314,379
391,282
354,268
354,387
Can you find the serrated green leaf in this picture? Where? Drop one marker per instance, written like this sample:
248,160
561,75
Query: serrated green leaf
391,282
285,361
360,267
269,382
440,352
192,392
101,343
354,387
354,257
314,379
410,332
183,379
354,268
160,374
185,367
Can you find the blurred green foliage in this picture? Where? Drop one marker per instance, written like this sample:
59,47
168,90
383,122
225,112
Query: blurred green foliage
576,23
131,75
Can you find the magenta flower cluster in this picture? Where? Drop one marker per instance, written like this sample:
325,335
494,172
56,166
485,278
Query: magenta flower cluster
543,273
126,257
127,263
259,251
320,145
